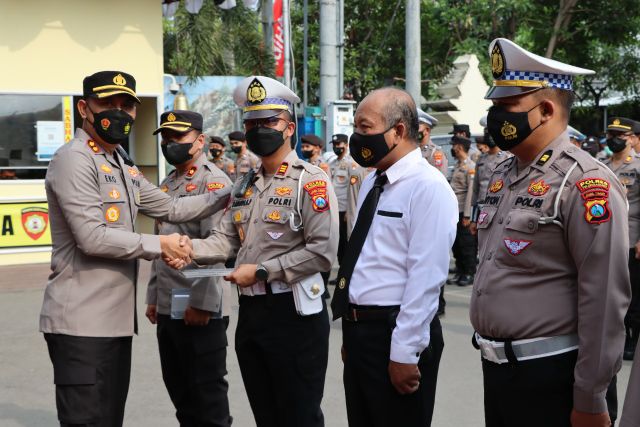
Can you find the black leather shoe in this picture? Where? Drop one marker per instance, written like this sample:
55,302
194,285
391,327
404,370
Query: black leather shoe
453,270
630,342
465,280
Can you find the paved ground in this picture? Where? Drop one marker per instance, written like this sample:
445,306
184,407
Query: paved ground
26,379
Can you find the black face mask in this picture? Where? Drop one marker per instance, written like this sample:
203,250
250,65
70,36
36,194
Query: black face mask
176,153
338,150
368,150
488,140
237,148
508,129
307,154
616,144
215,153
264,141
453,153
112,126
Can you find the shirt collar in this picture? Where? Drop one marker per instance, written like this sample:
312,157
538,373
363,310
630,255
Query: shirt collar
401,167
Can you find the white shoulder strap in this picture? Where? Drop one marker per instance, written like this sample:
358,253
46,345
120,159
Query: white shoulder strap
292,217
556,203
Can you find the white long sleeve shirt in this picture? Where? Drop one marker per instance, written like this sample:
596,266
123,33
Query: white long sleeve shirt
405,258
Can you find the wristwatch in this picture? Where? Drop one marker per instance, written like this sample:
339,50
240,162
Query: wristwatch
261,273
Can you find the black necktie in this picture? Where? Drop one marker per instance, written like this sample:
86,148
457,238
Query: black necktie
340,301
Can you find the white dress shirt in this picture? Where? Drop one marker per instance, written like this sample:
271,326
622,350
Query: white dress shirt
405,258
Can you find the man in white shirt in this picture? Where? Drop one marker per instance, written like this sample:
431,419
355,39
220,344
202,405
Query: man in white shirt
395,263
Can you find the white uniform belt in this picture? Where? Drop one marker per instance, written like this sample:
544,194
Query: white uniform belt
277,287
534,348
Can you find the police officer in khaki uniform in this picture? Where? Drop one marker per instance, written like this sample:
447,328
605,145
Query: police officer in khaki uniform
625,164
552,289
219,158
283,224
487,163
341,168
311,148
465,246
430,151
193,350
95,193
245,159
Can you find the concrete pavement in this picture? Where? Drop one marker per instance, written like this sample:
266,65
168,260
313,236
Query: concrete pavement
26,378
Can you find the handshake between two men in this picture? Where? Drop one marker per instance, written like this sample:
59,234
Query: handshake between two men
177,252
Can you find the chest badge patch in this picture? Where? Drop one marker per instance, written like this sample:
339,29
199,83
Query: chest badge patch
191,171
515,247
275,235
538,188
483,215
105,168
114,194
237,217
214,186
284,191
112,214
190,187
274,216
164,188
318,191
248,193
354,180
496,186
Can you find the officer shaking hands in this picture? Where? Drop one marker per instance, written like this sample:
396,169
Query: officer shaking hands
283,224
551,292
94,193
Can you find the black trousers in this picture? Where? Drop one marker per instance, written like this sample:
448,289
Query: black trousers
465,249
632,319
283,360
91,377
193,360
372,401
530,393
342,229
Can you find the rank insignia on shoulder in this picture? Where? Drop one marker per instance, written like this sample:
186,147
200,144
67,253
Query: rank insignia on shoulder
112,214
105,168
628,159
284,191
496,186
538,188
164,188
248,193
192,170
318,191
214,186
94,147
190,187
515,247
282,170
544,158
133,172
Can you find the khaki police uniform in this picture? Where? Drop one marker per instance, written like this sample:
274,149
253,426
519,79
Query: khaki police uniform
244,163
484,169
88,312
435,156
631,411
282,355
193,358
548,273
465,247
628,172
356,176
226,165
340,171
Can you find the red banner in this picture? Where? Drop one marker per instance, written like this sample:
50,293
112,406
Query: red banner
278,37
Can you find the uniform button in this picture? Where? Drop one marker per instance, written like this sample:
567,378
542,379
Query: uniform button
255,221
489,256
500,221
508,220
530,225
478,292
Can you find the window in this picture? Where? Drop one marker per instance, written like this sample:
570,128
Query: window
32,127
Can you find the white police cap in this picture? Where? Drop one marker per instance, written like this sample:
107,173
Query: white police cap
427,118
576,134
483,121
517,71
262,97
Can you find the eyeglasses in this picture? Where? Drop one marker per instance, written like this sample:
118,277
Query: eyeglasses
270,122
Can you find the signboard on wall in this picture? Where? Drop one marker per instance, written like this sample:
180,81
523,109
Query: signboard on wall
24,225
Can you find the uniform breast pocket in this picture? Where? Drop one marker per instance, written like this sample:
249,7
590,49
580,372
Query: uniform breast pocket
517,251
276,229
114,205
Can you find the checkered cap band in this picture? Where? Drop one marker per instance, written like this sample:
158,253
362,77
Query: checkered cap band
558,81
